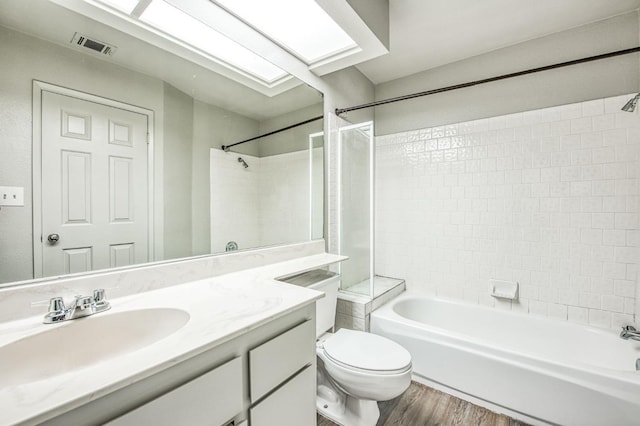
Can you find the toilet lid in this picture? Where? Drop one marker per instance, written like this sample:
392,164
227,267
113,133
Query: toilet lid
366,351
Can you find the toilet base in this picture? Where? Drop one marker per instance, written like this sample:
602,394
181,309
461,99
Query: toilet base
344,409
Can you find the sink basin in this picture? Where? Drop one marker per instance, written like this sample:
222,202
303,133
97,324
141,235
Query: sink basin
79,343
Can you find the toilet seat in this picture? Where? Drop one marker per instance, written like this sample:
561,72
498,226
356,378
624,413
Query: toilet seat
367,353
355,370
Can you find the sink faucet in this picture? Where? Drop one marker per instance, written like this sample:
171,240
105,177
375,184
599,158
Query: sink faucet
82,306
629,332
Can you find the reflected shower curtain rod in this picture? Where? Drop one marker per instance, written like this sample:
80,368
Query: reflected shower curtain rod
339,111
226,148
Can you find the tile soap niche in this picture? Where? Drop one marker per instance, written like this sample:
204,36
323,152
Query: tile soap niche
503,289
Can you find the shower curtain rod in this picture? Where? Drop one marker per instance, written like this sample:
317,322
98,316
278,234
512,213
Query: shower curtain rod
339,111
226,148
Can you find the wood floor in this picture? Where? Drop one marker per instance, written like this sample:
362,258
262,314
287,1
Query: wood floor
424,406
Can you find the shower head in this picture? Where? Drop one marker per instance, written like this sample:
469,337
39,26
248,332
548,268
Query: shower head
631,105
244,163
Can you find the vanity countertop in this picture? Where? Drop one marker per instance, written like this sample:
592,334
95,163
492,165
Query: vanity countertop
220,309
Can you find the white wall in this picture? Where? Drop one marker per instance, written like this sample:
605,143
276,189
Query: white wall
284,191
190,130
548,198
234,201
178,118
262,205
296,139
212,128
577,83
24,59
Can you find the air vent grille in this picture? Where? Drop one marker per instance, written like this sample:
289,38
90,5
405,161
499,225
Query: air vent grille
93,44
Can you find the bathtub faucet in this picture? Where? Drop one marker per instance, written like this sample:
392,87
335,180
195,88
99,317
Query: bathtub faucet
629,332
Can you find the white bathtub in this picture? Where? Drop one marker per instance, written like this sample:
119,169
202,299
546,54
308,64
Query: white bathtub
534,369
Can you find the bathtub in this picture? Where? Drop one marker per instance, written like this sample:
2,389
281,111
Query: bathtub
534,369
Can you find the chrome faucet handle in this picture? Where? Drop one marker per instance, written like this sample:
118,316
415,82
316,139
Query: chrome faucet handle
56,304
57,311
99,296
100,300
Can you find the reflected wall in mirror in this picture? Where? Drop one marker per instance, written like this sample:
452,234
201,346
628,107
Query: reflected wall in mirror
196,193
273,193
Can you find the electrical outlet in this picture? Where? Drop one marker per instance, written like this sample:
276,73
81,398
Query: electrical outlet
11,196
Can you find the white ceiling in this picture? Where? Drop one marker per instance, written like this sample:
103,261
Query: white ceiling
53,23
425,34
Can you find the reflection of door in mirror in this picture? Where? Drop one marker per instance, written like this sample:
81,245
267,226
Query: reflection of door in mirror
94,200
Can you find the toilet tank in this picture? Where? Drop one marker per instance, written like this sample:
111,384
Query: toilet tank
328,282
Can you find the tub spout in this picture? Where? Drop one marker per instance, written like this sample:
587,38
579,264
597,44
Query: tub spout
629,332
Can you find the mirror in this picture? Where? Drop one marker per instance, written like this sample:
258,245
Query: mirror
197,199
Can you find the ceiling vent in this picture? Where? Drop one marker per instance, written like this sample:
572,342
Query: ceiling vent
93,44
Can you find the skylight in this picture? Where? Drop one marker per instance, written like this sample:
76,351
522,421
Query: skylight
195,33
125,6
300,26
212,33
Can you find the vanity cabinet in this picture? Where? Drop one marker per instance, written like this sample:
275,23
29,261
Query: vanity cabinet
280,358
280,372
213,398
292,404
266,375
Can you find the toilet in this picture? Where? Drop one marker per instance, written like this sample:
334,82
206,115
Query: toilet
355,369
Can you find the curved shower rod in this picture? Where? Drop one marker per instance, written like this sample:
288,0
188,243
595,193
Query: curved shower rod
339,111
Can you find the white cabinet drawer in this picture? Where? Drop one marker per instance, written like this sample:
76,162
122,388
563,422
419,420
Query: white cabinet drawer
278,359
294,404
211,399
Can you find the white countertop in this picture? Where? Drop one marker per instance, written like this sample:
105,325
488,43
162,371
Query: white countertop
220,309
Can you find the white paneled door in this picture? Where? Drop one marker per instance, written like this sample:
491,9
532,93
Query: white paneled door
94,186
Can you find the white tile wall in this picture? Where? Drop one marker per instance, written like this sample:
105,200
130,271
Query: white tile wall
234,200
262,205
284,204
548,198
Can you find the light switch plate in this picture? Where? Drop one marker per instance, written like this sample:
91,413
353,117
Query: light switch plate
11,196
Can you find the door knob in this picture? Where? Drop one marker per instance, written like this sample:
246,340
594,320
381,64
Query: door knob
53,238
